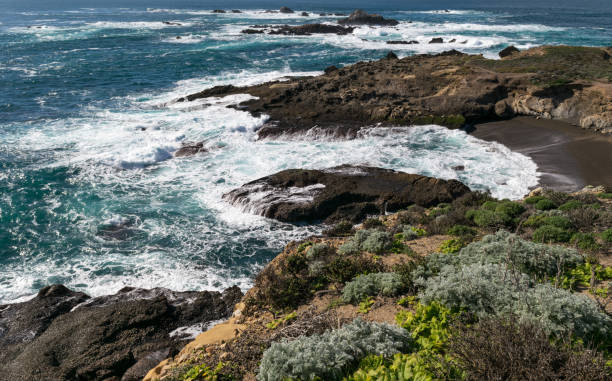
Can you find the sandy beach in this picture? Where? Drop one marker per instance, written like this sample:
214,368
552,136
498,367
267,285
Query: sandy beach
568,157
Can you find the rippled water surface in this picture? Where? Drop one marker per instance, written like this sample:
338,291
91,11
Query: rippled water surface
88,128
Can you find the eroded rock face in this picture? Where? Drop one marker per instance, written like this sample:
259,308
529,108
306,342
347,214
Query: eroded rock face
344,192
285,10
308,29
66,335
449,89
510,50
359,17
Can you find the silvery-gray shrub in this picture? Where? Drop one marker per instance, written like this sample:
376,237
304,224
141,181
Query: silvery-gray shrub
371,240
386,284
325,356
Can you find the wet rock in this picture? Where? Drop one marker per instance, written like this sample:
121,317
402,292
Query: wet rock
218,11
402,42
391,56
359,17
330,69
459,168
236,11
285,10
66,335
510,50
252,31
304,14
190,149
172,23
436,40
344,192
308,29
453,40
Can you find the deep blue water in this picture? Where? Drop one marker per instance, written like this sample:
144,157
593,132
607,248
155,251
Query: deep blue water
88,127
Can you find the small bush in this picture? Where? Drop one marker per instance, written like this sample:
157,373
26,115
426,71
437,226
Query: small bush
558,198
319,250
585,241
429,325
386,284
373,223
607,196
537,220
506,349
462,231
496,214
606,235
341,270
583,218
534,199
570,205
549,233
545,204
371,240
451,246
326,356
341,229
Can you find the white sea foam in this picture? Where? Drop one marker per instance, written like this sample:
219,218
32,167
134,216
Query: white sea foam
123,154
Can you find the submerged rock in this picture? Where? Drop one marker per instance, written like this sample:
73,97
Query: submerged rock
308,29
252,31
360,17
436,40
339,193
66,335
190,149
402,42
218,11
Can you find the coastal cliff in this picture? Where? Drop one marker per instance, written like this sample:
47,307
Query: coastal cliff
572,84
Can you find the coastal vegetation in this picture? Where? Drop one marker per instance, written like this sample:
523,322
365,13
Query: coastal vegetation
472,289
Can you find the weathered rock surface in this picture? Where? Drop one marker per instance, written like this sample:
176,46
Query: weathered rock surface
252,31
402,42
308,29
510,50
436,40
66,335
573,84
344,192
285,10
359,17
190,149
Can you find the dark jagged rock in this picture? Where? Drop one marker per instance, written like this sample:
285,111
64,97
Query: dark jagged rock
252,31
510,50
330,69
436,40
304,14
172,23
66,335
453,40
285,10
391,56
236,11
308,29
218,11
450,89
190,149
359,17
344,192
402,42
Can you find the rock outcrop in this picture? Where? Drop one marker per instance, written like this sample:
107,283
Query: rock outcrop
66,335
510,50
451,89
285,10
308,29
340,193
359,17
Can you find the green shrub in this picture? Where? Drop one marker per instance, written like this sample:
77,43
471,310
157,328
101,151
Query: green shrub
537,220
319,250
428,325
341,229
493,289
549,233
496,213
451,246
373,223
605,195
607,235
534,199
344,269
328,355
581,275
503,247
205,373
411,232
462,231
585,241
386,284
570,205
545,204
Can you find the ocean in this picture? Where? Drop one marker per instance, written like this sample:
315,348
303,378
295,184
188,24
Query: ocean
89,124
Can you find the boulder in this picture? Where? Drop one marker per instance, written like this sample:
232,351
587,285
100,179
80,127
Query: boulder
218,11
304,14
340,193
190,149
330,69
436,40
66,335
236,11
359,17
510,50
391,56
402,42
252,31
308,29
285,10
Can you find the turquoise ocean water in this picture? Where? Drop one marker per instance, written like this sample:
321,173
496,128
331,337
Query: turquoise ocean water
88,127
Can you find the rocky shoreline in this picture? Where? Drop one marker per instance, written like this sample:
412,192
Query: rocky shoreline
453,89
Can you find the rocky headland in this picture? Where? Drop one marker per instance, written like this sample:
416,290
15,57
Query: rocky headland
571,84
